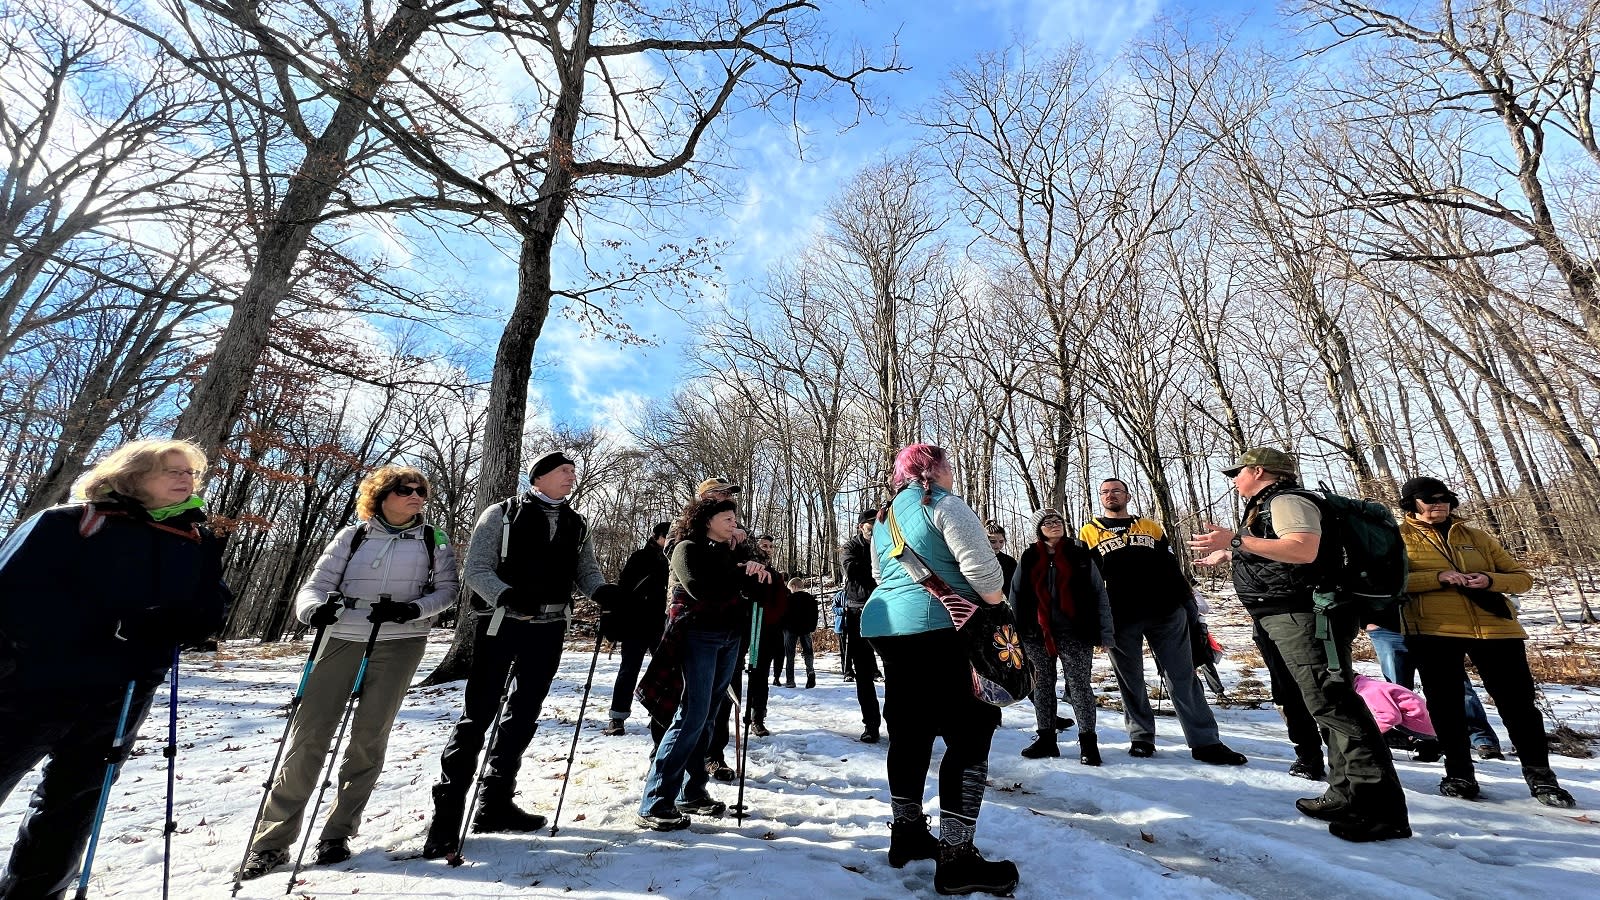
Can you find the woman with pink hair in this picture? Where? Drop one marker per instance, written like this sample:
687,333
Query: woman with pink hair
927,679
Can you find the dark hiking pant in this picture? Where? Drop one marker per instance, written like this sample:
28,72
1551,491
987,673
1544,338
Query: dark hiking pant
865,664
532,652
1360,769
1303,731
75,730
1502,663
633,651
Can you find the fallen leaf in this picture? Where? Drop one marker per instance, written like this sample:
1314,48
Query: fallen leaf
1147,837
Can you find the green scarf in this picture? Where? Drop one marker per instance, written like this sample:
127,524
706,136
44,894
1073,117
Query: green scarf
164,513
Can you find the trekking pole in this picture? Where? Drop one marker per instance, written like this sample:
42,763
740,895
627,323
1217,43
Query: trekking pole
329,766
118,739
283,742
171,754
742,746
572,750
456,858
738,754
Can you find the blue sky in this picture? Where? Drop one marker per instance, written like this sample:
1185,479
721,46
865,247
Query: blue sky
776,196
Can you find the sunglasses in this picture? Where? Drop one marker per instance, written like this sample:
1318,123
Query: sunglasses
406,490
1439,498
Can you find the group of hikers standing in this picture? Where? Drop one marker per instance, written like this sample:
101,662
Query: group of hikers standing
693,599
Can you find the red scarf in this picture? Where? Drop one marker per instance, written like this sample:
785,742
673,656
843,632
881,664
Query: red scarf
1039,577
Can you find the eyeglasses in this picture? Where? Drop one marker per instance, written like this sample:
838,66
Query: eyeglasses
406,490
1056,522
182,473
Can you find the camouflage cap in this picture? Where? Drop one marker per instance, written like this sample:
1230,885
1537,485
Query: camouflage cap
1273,460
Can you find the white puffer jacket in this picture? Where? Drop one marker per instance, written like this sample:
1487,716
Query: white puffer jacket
386,563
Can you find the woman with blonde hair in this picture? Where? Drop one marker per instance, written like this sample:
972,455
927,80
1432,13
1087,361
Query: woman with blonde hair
95,598
394,570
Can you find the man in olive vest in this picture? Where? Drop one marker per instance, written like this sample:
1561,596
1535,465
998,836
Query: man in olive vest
526,556
1279,559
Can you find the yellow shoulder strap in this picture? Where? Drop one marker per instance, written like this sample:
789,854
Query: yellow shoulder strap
897,541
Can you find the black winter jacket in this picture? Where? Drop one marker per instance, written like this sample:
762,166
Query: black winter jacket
96,594
642,612
858,581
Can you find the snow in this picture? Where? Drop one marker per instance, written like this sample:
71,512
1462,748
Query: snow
1161,827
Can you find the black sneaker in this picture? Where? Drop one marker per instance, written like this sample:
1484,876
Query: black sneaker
1043,747
1309,769
1219,755
1063,723
1363,831
260,862
911,840
1459,788
672,821
332,851
1427,751
719,770
705,806
1325,808
1142,749
503,816
963,870
870,736
1088,750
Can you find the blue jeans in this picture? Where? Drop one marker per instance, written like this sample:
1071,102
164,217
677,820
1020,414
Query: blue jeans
1399,668
677,772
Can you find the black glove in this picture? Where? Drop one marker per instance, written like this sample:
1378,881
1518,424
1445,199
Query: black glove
609,596
328,612
393,611
478,602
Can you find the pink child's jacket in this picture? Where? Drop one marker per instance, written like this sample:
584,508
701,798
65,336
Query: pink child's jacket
1395,707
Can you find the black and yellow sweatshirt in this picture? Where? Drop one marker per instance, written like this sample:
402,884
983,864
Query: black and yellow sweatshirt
1142,576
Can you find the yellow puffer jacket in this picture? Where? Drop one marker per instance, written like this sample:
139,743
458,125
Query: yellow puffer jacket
1443,610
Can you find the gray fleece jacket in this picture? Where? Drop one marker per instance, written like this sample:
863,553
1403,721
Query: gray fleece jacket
483,559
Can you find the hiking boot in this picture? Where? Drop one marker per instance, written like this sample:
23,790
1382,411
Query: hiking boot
1063,723
811,680
615,729
963,870
1428,750
1043,747
1326,808
438,846
705,806
1363,831
1088,750
1543,786
332,851
1142,749
1460,788
759,728
870,736
1309,769
502,816
1219,755
789,683
911,840
849,676
260,862
719,770
444,832
668,821
1489,752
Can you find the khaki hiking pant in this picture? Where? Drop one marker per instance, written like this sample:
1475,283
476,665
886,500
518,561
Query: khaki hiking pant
389,673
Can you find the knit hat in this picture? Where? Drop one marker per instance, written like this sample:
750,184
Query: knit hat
1425,488
546,463
866,515
1280,462
660,530
1040,515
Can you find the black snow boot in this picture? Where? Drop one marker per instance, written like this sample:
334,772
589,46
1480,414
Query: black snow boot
332,851
1543,786
1088,749
963,870
1043,747
444,832
911,840
497,814
261,862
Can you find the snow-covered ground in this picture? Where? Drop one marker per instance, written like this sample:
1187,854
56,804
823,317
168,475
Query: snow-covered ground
1162,827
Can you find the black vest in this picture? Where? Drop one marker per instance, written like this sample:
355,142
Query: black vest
1265,586
541,568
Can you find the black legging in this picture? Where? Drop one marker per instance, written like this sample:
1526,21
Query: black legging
928,695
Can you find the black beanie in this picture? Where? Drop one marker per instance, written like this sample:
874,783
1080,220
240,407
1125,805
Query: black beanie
866,515
1424,486
660,530
547,463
